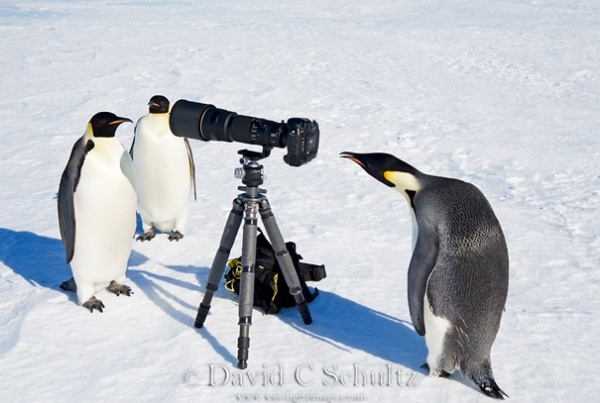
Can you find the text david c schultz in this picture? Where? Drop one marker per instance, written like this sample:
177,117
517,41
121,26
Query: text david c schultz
304,375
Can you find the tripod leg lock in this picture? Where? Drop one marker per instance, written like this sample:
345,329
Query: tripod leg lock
295,290
212,287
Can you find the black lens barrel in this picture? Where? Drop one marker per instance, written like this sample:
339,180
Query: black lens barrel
207,123
215,123
185,119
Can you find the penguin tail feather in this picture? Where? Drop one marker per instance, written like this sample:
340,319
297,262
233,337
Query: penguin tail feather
484,379
490,388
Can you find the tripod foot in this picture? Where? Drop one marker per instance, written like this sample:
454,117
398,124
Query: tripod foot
243,346
304,313
201,316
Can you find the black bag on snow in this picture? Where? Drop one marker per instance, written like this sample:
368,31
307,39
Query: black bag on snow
271,291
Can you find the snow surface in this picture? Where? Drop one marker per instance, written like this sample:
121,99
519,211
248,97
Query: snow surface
504,94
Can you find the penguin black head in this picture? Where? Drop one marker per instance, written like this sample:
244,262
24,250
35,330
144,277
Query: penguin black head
159,104
380,166
390,171
104,124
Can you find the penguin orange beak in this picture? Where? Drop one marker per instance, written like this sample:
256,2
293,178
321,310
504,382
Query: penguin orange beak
120,120
352,157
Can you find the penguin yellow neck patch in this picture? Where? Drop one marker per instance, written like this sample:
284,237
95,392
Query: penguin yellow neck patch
402,180
89,132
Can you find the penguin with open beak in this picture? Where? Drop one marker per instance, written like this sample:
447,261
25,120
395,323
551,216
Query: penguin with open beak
458,273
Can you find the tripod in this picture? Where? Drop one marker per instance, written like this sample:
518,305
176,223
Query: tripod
246,205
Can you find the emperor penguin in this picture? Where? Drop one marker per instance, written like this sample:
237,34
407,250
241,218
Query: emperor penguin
458,273
96,211
165,173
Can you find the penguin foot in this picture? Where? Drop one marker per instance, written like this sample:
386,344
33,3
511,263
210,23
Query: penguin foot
147,236
441,374
119,289
175,236
93,303
69,285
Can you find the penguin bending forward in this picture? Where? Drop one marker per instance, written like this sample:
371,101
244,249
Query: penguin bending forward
164,169
458,273
96,211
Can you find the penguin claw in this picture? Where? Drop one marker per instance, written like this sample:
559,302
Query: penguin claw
147,236
441,374
175,236
119,289
93,303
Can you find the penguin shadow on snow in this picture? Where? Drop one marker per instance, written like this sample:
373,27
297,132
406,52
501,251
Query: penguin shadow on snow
159,289
38,259
342,322
138,224
152,283
336,320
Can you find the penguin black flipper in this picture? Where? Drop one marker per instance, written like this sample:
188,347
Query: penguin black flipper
192,165
132,143
421,264
68,184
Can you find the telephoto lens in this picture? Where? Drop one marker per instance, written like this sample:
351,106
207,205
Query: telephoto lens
207,123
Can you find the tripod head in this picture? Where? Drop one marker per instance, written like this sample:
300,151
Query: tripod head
251,173
249,155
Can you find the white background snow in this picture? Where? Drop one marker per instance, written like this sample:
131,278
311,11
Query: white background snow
504,94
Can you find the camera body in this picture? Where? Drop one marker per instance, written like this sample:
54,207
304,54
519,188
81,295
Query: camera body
205,122
302,141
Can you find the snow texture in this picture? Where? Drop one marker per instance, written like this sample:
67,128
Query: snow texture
503,94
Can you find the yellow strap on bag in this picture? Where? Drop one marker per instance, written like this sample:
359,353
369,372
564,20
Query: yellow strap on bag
235,267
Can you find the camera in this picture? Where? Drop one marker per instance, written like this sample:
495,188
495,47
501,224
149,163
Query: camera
207,123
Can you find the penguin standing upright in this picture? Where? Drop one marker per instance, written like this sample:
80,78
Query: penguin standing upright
96,211
458,273
165,173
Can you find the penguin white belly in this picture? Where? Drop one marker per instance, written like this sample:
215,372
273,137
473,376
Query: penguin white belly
163,180
436,329
105,204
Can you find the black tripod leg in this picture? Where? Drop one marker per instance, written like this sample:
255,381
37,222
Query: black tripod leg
247,282
284,259
215,275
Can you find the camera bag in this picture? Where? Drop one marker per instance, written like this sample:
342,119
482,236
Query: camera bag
271,291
